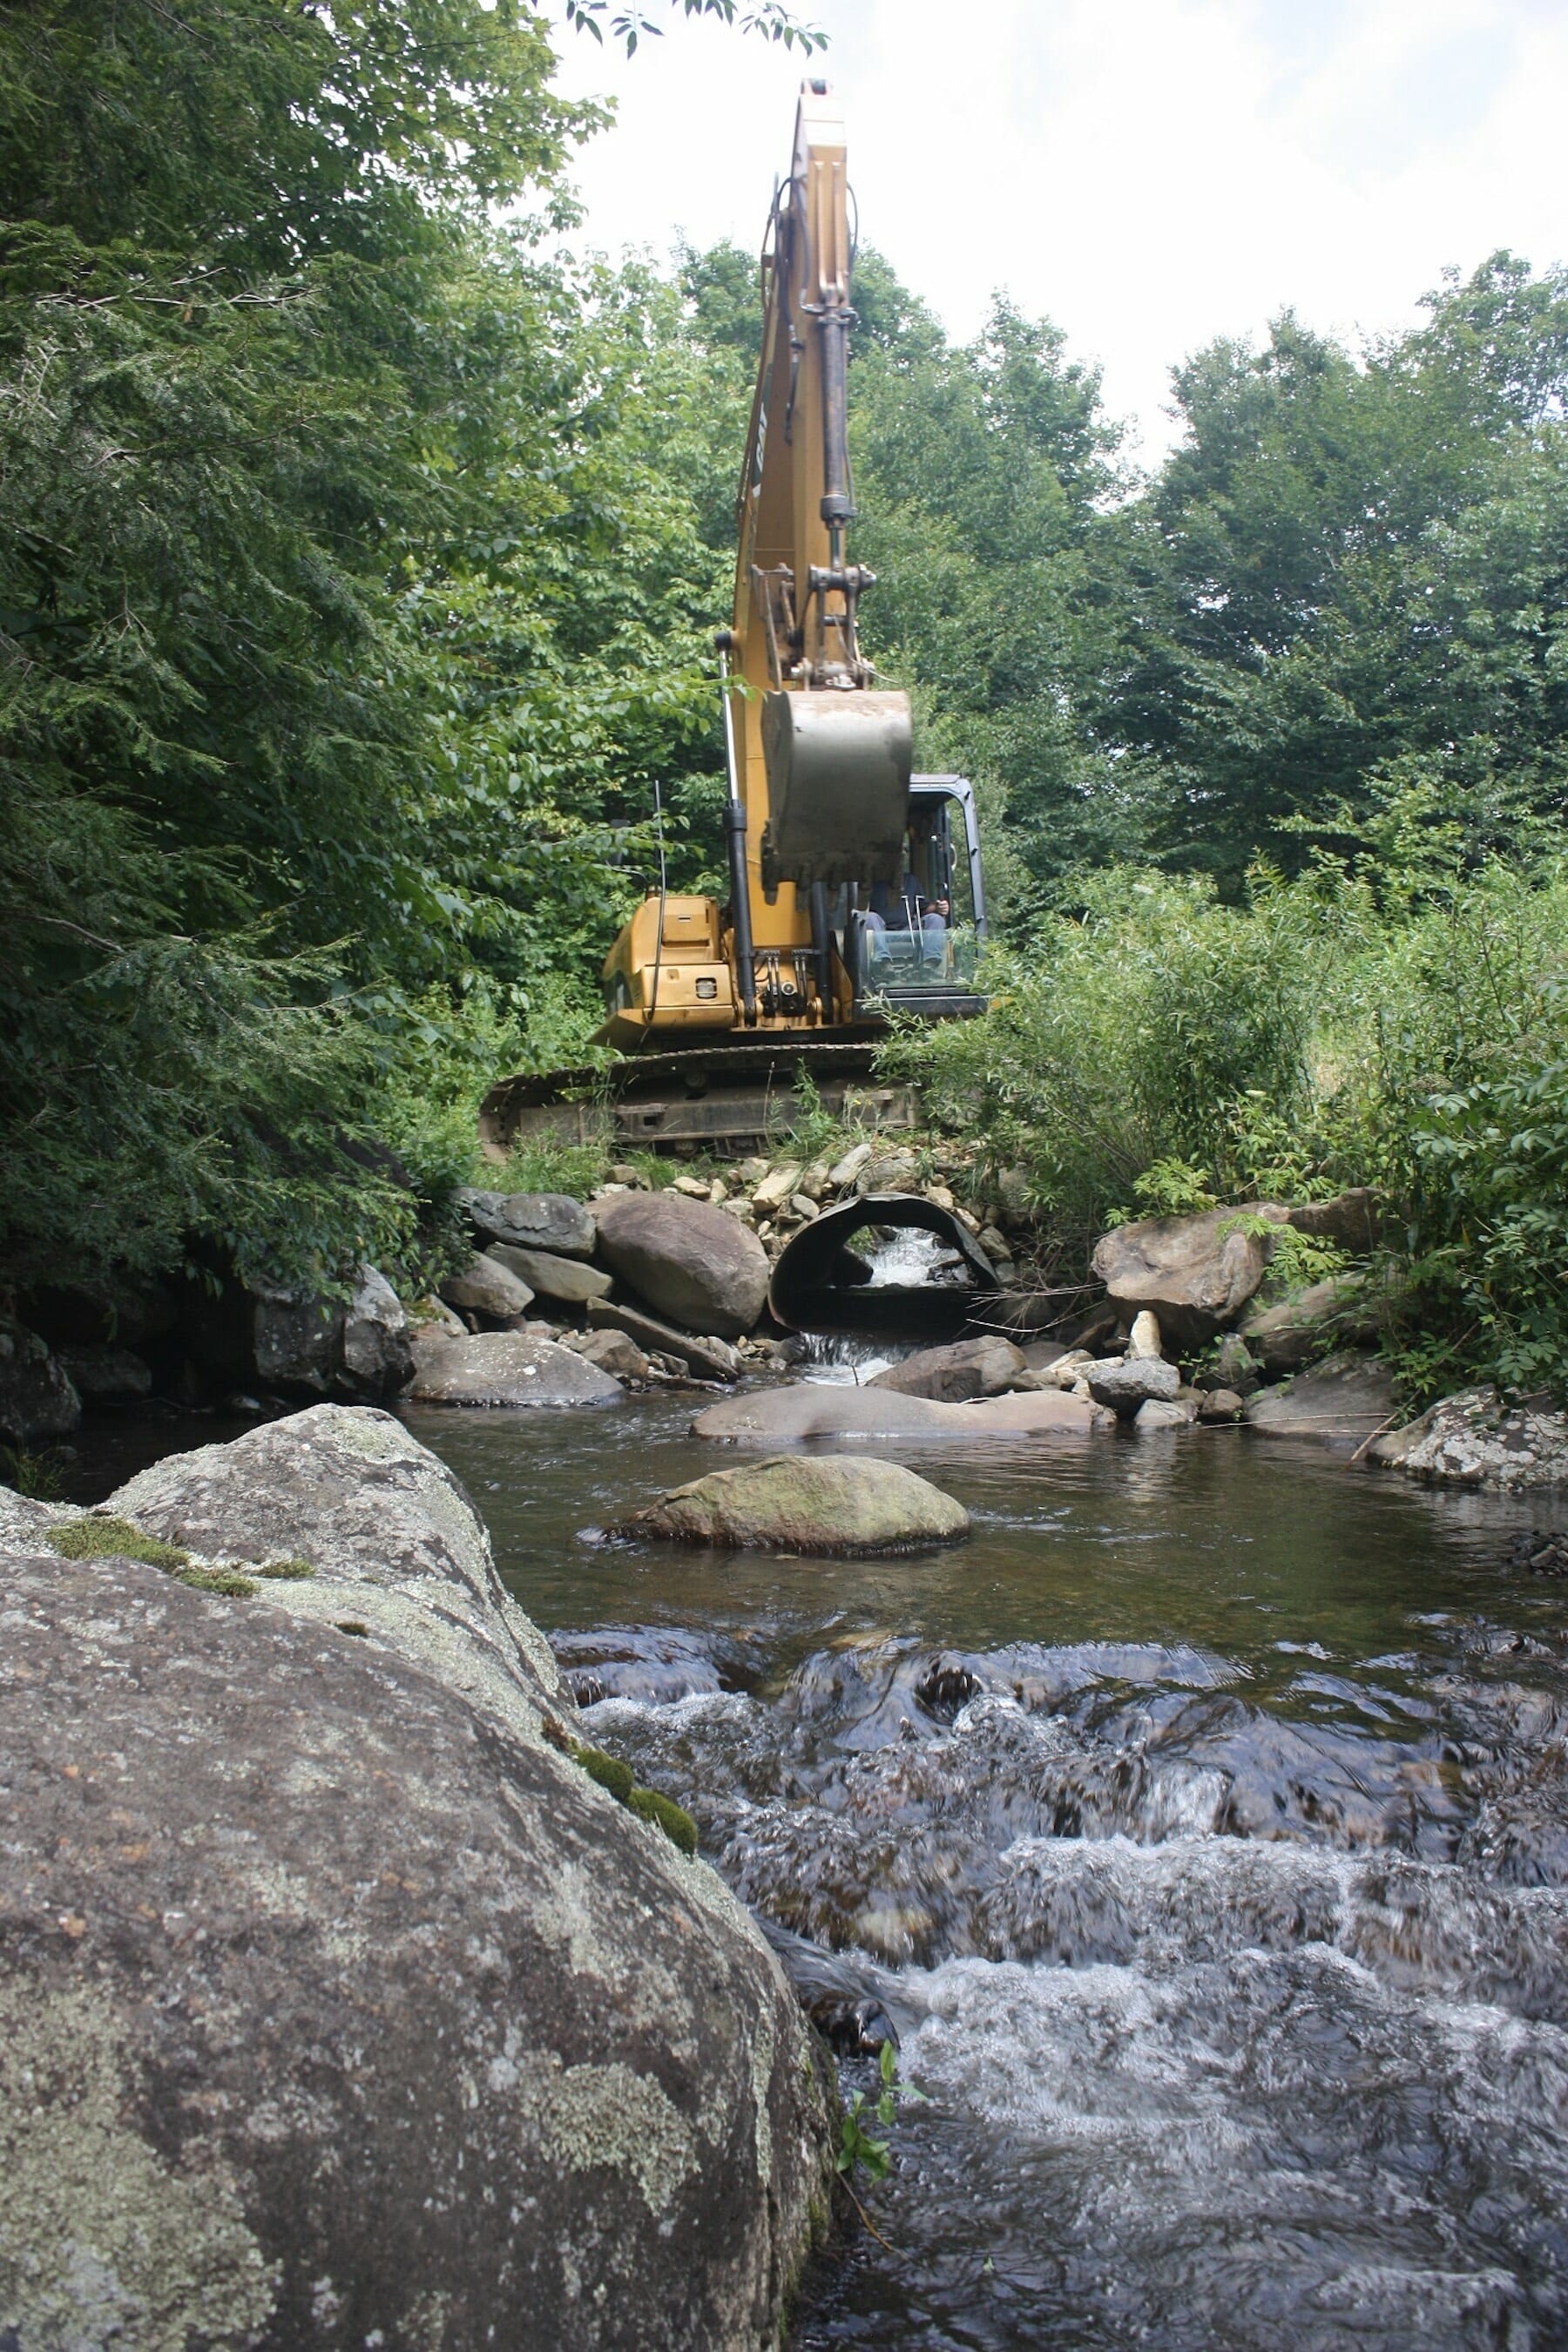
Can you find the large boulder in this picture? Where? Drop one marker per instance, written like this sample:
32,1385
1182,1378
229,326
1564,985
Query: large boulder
565,1280
824,1409
707,1356
545,1220
297,1342
37,1400
1195,1273
687,1260
1318,1320
1474,1439
337,2004
1341,1402
816,1503
506,1368
981,1367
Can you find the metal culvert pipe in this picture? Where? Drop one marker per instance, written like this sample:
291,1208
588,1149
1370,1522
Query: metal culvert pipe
819,1284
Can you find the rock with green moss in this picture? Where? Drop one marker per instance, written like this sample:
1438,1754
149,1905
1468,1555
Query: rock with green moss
833,1503
368,1881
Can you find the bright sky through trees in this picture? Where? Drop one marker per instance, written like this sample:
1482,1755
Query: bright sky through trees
1150,175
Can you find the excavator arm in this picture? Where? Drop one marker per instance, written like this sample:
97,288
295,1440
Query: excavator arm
850,890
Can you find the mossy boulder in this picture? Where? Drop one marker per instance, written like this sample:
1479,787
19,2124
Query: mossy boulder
338,2004
830,1503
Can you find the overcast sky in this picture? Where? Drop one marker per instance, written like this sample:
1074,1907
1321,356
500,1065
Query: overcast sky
1148,173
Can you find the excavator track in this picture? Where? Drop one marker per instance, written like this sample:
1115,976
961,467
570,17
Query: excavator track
735,1096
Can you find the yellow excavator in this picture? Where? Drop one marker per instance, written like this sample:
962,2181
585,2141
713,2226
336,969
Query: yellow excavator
855,885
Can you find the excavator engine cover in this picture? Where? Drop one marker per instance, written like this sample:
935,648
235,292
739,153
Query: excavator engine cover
838,786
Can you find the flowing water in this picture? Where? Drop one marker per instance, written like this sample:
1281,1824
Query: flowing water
1200,1829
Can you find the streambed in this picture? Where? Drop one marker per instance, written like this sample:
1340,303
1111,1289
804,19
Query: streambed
1200,1826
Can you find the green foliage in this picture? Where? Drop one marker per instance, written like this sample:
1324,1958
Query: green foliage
1357,1026
1117,1043
859,2149
40,1476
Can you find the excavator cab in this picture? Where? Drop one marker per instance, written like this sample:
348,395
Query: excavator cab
913,947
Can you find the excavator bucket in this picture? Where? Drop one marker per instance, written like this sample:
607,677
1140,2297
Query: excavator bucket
838,787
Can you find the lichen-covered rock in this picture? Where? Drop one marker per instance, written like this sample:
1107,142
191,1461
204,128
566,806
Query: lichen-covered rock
1475,1440
505,1367
1195,1273
36,1399
566,1280
820,1409
981,1367
814,1503
297,1342
686,1259
546,1221
336,2003
391,1535
1341,1402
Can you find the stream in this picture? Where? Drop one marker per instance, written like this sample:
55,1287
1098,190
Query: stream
1199,1827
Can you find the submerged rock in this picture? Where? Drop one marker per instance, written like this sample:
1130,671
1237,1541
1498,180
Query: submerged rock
1194,1273
1341,1402
817,1503
337,2005
981,1367
506,1368
1475,1440
688,1260
818,1409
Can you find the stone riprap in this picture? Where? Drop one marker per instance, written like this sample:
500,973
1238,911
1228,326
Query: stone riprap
568,1281
337,2004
